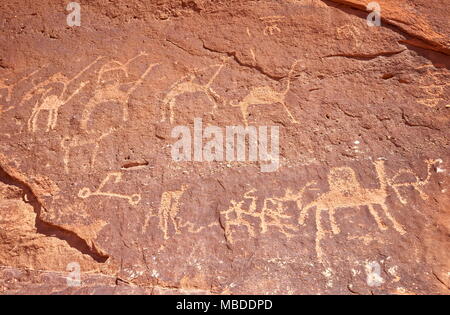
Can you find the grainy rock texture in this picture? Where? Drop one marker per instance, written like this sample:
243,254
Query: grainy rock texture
360,202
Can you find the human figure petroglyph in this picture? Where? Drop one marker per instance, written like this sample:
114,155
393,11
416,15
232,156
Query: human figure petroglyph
68,143
271,215
110,178
346,192
266,95
187,85
168,211
417,184
111,90
271,24
235,216
52,102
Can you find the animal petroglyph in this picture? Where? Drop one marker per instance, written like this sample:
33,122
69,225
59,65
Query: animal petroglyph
266,95
111,90
168,212
346,192
114,178
435,88
51,102
187,85
10,88
349,32
417,184
272,214
68,143
271,24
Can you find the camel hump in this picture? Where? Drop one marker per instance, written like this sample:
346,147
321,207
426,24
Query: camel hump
343,179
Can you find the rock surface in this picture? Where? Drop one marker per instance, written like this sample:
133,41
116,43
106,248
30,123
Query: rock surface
359,205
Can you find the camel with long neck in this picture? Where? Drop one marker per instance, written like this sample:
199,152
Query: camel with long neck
266,95
346,192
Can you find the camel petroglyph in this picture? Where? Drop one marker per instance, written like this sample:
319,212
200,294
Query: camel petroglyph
266,95
68,143
187,85
111,91
346,192
10,88
52,102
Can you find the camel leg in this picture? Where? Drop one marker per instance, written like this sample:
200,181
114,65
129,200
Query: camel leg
377,218
289,113
49,120
171,110
33,120
213,97
30,121
164,111
334,226
86,116
422,194
320,233
398,227
244,111
125,111
53,116
303,214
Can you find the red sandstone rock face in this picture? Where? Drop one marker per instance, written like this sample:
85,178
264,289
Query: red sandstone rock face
360,203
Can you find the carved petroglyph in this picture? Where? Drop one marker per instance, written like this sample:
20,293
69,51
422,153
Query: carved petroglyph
272,214
4,110
349,32
68,143
187,85
168,211
417,184
51,104
111,90
266,95
168,216
110,178
435,87
271,23
194,229
346,192
10,88
49,101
